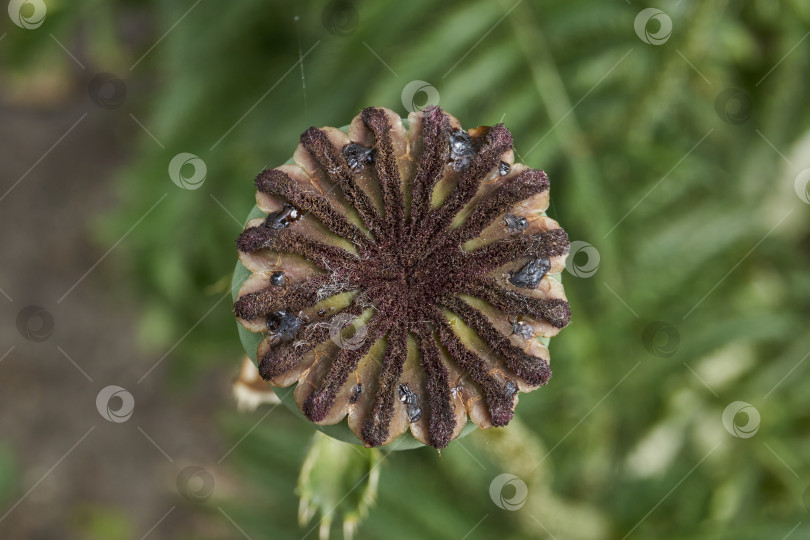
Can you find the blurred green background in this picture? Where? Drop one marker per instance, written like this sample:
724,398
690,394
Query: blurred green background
676,157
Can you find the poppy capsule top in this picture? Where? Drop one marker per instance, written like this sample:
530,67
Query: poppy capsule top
404,277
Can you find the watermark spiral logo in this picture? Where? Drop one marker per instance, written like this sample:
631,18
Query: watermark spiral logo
751,426
341,321
642,26
733,106
28,14
35,323
661,339
340,18
802,185
195,484
108,91
496,492
117,413
183,161
417,88
591,264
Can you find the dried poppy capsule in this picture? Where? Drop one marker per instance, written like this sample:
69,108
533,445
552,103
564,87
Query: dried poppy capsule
405,277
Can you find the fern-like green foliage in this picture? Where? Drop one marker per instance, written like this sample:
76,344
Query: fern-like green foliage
688,198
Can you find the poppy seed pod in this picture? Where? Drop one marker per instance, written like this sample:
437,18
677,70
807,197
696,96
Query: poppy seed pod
404,277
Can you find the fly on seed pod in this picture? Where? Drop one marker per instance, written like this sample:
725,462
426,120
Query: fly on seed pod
403,275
